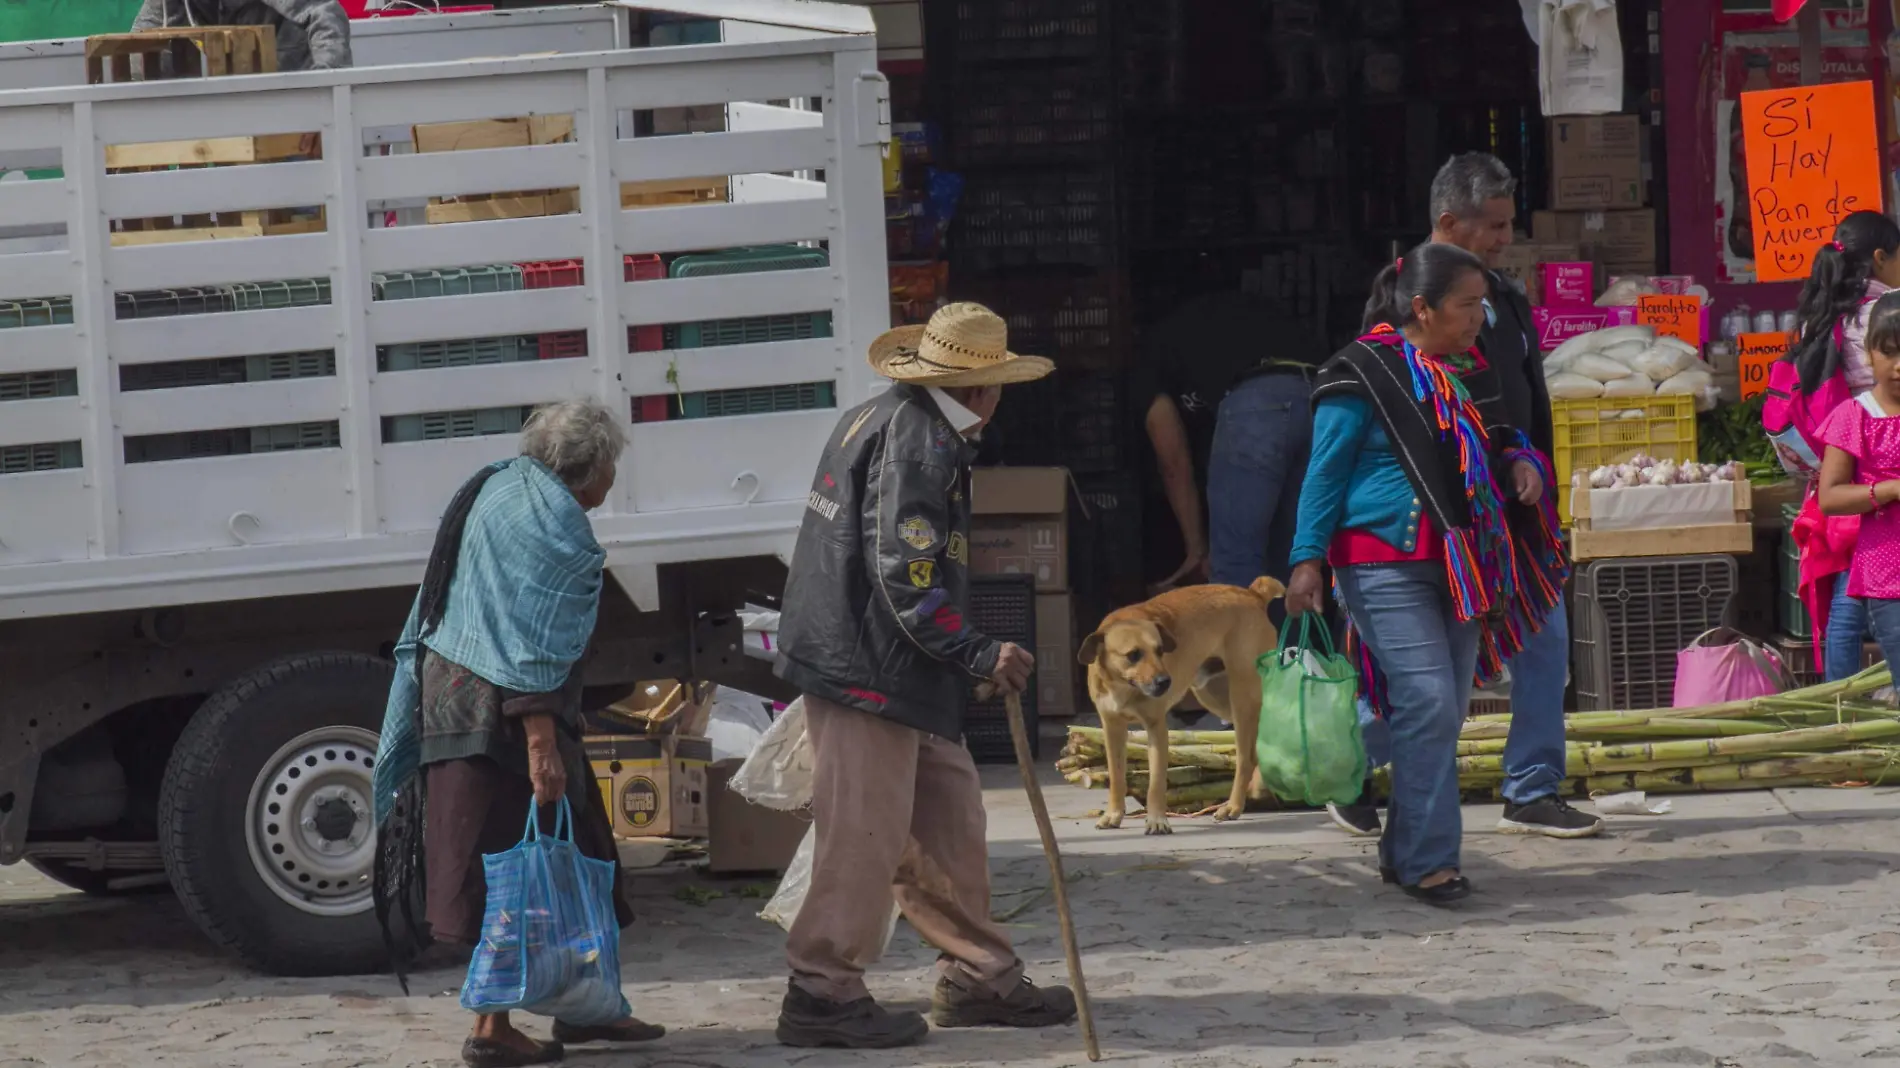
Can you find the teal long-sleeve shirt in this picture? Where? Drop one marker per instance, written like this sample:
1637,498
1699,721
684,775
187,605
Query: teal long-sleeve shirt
1353,482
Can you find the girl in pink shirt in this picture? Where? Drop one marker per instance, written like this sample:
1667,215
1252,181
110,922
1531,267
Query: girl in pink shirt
1860,475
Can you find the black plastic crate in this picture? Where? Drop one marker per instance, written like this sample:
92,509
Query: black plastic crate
1011,31
1002,607
1105,545
1038,118
1070,419
1632,616
1077,320
1035,218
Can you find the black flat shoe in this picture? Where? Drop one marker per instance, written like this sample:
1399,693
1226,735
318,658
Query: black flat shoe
487,1053
1388,876
1445,893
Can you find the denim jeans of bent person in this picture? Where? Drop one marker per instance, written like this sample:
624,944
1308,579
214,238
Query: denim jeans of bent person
1534,750
1885,616
1405,616
1846,632
1253,477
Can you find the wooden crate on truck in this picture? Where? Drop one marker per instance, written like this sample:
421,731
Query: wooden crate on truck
192,51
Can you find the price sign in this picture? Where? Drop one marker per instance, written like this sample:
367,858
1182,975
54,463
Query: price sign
1755,355
1813,158
1673,315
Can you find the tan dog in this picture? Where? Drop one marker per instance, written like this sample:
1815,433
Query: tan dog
1144,659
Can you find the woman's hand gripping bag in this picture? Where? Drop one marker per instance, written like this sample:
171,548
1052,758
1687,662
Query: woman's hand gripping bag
1736,670
1309,748
550,943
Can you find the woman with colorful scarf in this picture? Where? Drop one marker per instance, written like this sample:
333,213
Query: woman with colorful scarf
484,717
1402,496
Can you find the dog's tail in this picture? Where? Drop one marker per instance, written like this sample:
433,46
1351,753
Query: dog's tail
1267,588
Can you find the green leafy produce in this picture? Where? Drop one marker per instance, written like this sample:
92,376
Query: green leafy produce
1733,432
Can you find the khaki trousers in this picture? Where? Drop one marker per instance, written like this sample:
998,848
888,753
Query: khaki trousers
898,813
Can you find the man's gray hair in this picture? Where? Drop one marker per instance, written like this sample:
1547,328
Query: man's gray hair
1466,181
577,440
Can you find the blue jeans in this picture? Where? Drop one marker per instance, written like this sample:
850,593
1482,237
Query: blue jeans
1253,477
1405,616
1534,751
1885,615
1846,630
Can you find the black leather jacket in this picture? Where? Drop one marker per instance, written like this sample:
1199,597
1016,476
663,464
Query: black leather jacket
873,611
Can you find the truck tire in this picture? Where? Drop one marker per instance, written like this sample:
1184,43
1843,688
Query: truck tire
264,818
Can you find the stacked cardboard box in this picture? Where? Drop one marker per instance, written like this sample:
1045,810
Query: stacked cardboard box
1598,194
1021,527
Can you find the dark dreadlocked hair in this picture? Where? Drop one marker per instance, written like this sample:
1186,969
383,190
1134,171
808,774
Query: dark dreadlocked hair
400,880
1834,290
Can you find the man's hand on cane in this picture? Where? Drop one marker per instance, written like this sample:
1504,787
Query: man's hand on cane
1013,667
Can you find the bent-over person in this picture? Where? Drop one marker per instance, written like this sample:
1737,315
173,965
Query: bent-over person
874,633
484,716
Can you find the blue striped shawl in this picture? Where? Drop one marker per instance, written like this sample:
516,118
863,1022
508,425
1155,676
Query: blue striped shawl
520,612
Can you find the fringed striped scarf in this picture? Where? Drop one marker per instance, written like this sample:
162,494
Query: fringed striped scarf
1506,566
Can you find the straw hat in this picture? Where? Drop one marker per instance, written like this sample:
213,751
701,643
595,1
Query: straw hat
961,345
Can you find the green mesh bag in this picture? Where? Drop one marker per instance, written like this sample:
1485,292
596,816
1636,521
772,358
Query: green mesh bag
1309,744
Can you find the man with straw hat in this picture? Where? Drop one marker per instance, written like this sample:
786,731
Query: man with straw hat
874,634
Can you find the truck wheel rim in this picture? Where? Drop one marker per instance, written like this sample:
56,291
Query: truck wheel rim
309,825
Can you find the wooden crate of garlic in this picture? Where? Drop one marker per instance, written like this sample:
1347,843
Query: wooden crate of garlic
1651,507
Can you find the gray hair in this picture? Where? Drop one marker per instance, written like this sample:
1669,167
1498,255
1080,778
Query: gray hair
577,440
1466,181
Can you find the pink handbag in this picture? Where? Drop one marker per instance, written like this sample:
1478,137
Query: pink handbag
1738,669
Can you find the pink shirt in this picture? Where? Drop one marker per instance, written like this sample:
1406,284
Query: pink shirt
1860,429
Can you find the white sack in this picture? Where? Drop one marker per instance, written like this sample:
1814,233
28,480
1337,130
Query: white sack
1662,363
778,774
1600,367
1632,386
1567,386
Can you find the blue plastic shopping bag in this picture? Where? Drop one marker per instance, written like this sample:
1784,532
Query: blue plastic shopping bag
550,944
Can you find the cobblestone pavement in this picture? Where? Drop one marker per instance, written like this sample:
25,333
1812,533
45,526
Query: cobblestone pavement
1751,931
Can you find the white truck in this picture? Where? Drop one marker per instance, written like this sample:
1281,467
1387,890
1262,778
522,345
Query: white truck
234,399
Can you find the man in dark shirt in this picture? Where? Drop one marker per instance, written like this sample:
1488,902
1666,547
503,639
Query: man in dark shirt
1193,357
1472,208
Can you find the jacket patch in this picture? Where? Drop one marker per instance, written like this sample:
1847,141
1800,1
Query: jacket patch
823,505
942,437
856,425
948,620
959,549
867,695
923,573
932,601
830,483
917,533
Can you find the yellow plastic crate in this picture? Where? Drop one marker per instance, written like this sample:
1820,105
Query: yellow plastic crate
1610,430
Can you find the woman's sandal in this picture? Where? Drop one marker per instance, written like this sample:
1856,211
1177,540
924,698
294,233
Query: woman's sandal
625,1031
488,1053
1451,890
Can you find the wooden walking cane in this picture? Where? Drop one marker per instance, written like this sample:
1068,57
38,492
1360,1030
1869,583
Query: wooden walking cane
1019,733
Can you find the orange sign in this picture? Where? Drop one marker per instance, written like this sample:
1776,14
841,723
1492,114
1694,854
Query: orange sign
1755,355
1673,315
1813,159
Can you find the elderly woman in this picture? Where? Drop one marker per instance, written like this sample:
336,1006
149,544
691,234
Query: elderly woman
484,714
1403,498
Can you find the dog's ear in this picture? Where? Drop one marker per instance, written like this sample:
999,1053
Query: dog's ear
1268,588
1091,648
1166,644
